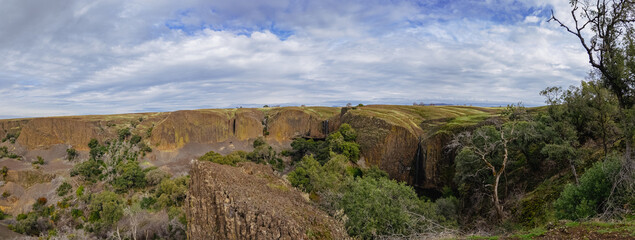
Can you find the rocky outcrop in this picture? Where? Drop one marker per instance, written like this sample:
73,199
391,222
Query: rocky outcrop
389,146
251,202
290,123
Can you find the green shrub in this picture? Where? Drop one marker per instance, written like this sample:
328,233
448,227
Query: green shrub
71,154
75,213
171,192
93,143
348,132
374,172
11,137
63,189
350,150
341,142
4,151
96,150
106,208
144,148
147,202
80,191
259,142
4,172
309,176
376,207
123,133
586,199
135,139
89,170
129,176
149,131
231,159
30,224
3,215
39,161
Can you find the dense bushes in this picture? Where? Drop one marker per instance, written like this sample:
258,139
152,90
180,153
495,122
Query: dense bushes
35,222
171,192
310,176
123,133
341,142
370,204
113,192
90,170
106,208
376,207
11,137
231,159
588,197
262,153
129,176
63,189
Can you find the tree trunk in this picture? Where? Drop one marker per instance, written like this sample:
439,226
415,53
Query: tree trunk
497,205
575,174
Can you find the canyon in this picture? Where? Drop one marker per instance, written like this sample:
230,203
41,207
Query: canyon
408,142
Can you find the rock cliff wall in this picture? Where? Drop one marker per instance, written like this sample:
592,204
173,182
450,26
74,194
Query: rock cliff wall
389,136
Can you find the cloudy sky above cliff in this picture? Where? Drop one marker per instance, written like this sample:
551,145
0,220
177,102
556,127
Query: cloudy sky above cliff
72,57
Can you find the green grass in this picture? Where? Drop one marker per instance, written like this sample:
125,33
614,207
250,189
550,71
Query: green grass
411,117
461,123
320,112
531,234
611,227
280,187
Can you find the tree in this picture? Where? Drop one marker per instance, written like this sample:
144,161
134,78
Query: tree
106,208
130,176
611,50
123,133
491,146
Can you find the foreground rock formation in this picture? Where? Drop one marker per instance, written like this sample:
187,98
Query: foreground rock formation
251,202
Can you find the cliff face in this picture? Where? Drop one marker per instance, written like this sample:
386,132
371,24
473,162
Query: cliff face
433,162
389,146
289,123
224,204
182,127
44,132
389,136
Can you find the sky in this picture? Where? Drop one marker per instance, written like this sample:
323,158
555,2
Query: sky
78,57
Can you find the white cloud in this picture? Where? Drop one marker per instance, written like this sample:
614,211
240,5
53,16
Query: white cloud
113,57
